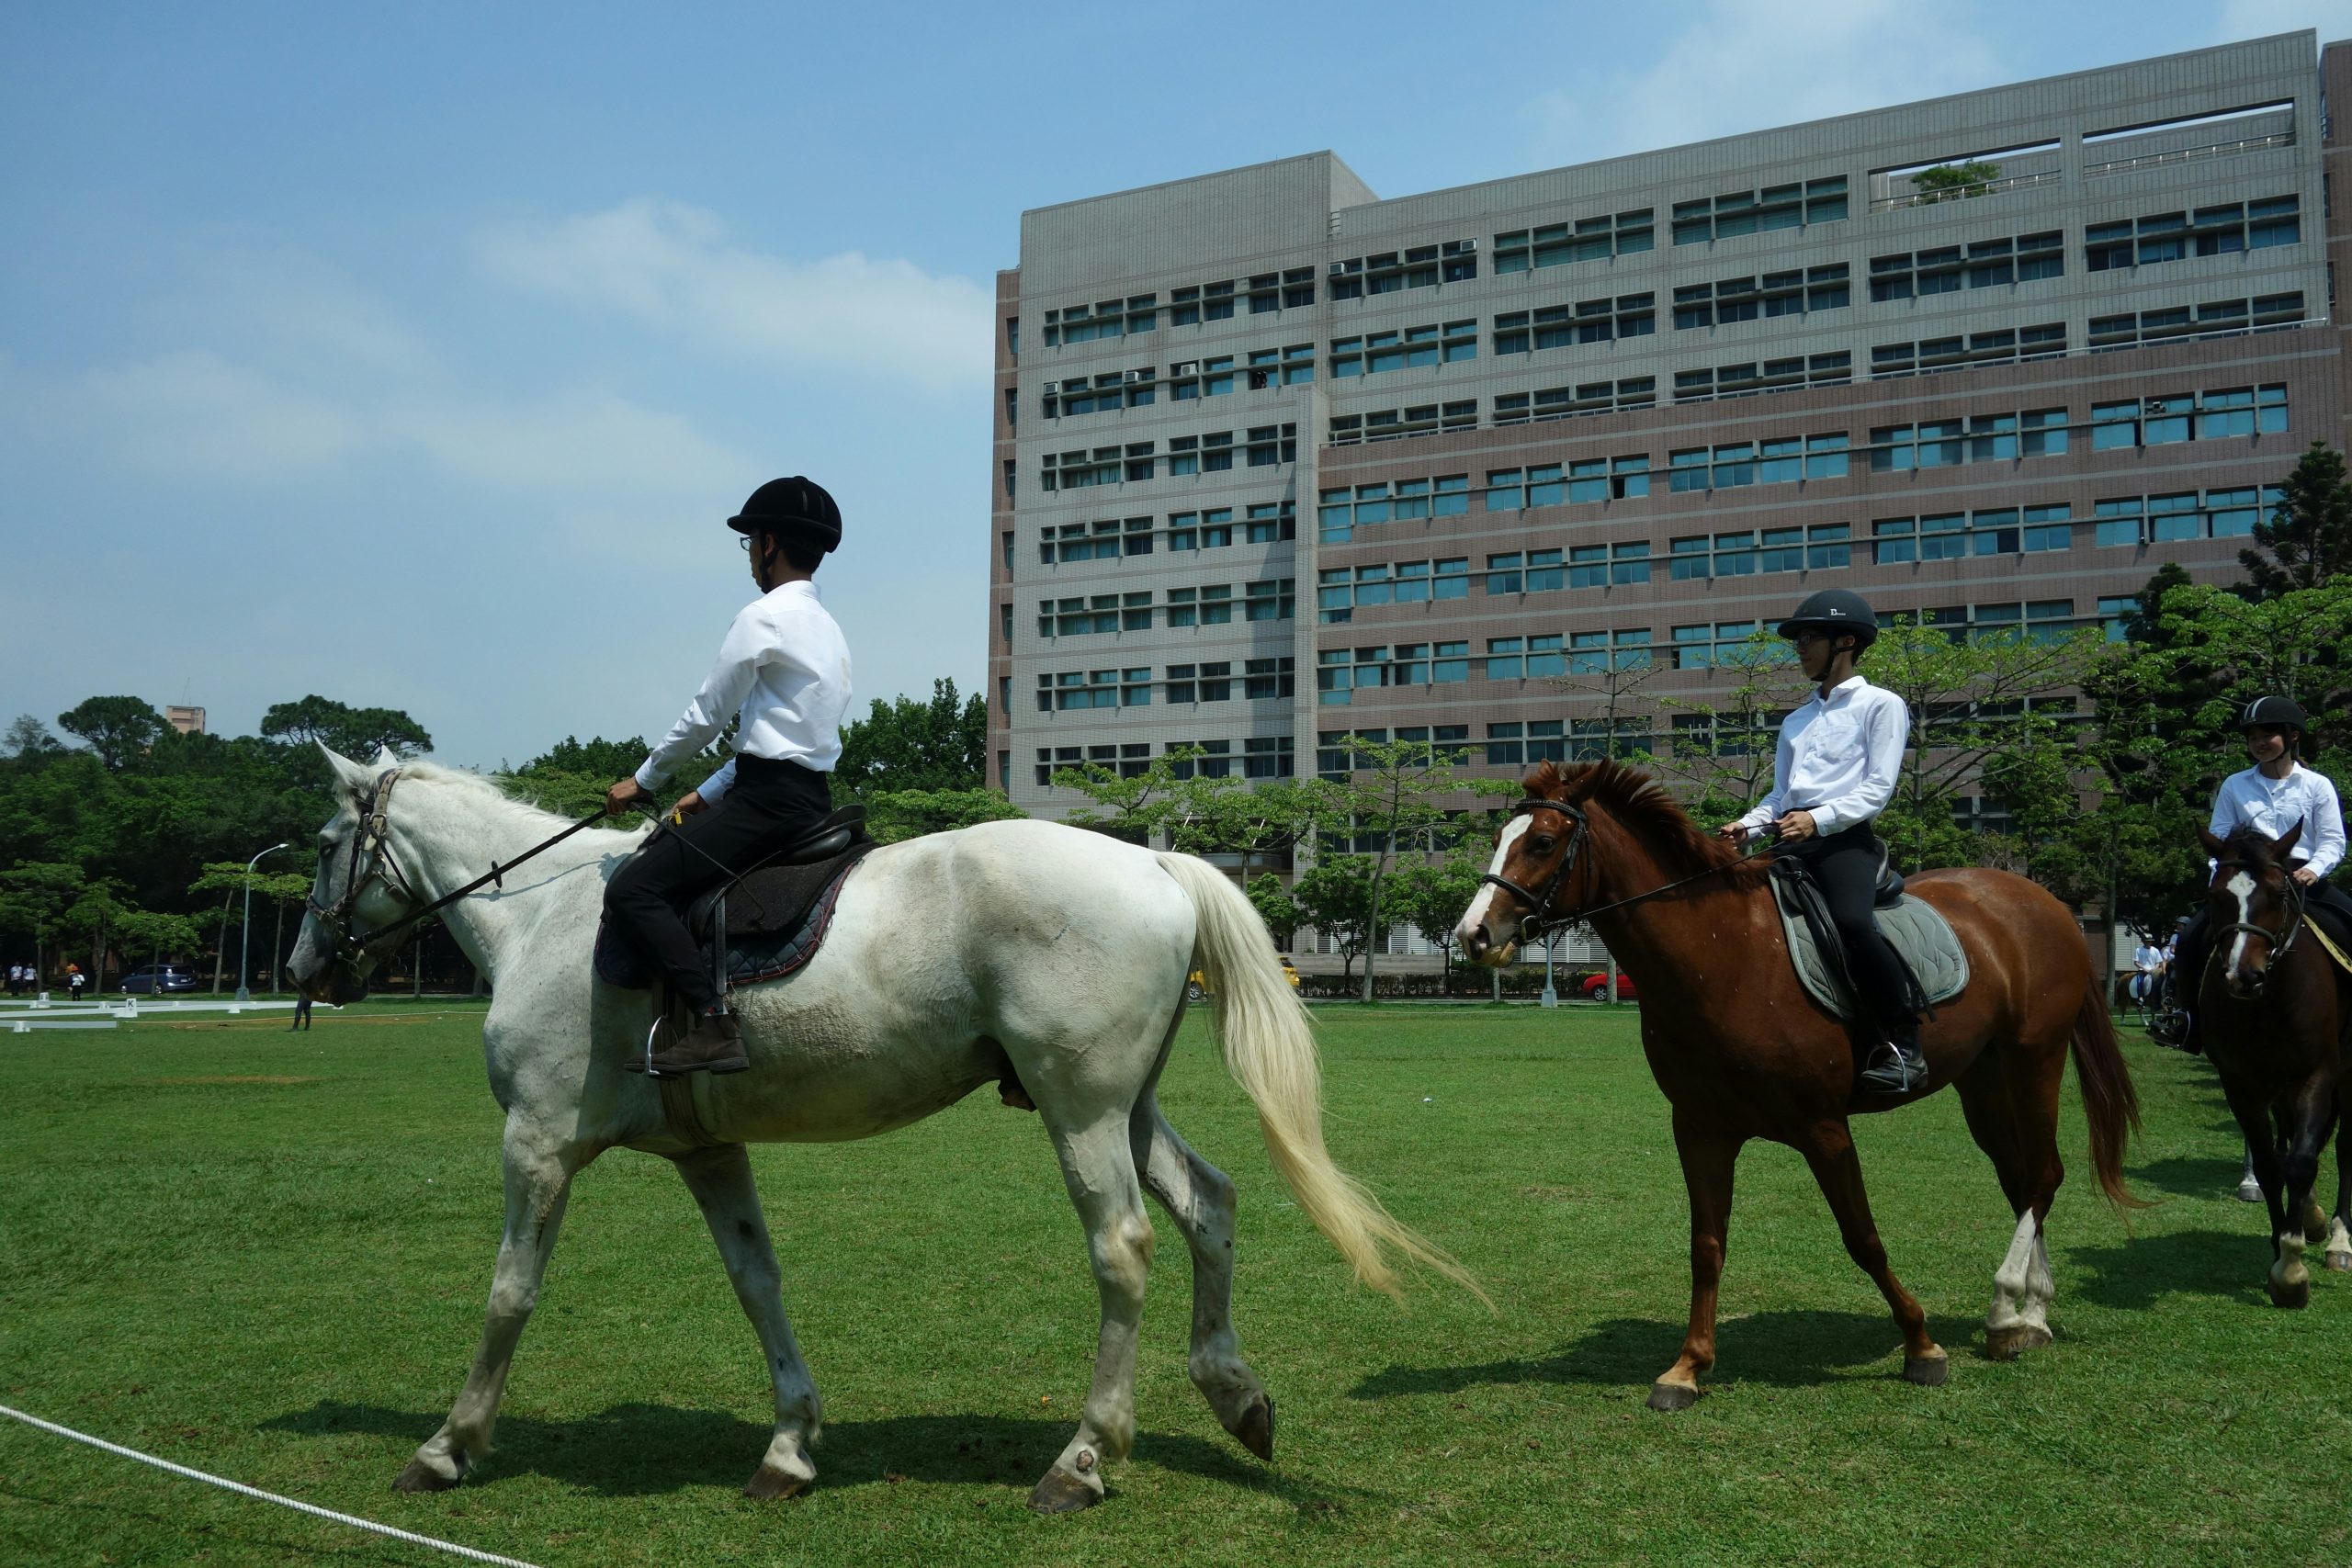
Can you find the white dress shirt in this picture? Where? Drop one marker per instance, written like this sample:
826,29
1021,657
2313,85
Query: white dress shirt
784,671
1838,757
2270,806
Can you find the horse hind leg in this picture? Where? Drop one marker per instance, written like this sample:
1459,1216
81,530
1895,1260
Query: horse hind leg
720,1181
1830,1154
2015,1124
538,1184
2338,1247
1098,1168
1199,1198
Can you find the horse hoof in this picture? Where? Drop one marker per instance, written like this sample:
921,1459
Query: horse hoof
2009,1344
1927,1372
1255,1430
2341,1262
1670,1397
769,1483
2293,1298
422,1477
1064,1491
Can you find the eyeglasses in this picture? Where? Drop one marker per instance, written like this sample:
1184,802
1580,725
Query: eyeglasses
743,543
1807,633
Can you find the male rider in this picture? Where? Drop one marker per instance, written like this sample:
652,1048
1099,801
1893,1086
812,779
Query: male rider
1839,755
783,670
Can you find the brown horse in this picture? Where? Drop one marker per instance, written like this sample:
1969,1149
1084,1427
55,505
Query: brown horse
1742,1052
2274,1012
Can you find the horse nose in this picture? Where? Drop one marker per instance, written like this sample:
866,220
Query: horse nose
1475,942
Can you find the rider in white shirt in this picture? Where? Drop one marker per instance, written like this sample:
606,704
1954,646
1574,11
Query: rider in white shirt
1834,771
2274,797
783,672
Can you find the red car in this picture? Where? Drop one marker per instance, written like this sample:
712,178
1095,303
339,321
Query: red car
1595,988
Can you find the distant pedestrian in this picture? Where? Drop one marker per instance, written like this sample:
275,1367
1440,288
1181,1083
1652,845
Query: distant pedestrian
302,1012
16,980
74,980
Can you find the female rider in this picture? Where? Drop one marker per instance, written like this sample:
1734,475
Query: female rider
2274,797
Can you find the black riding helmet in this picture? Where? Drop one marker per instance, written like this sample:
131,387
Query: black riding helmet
2280,711
1837,611
797,507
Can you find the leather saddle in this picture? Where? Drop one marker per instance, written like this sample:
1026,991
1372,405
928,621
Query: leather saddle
767,920
1935,965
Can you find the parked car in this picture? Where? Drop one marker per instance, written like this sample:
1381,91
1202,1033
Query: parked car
1196,984
1595,988
158,979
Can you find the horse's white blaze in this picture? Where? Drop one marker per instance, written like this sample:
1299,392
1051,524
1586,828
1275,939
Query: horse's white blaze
2241,887
1476,915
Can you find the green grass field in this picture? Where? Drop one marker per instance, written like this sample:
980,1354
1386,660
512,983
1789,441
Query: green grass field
264,1254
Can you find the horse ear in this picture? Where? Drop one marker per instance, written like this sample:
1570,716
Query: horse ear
385,757
349,776
1543,780
2215,847
2285,846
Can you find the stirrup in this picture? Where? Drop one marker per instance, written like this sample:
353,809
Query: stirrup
1911,1068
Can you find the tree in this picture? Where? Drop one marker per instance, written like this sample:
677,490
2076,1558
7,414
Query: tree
907,745
358,733
2308,538
893,814
1431,896
1276,908
1338,898
595,758
34,896
156,932
1722,755
119,729
1954,182
29,740
1390,805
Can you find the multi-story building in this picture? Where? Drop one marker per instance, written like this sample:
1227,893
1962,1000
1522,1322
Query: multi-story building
1278,462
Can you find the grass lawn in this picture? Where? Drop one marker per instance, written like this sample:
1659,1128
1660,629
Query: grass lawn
264,1254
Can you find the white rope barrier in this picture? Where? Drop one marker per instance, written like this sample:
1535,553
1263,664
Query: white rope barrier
238,1486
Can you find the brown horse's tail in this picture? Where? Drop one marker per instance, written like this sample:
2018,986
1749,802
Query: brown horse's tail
2109,1103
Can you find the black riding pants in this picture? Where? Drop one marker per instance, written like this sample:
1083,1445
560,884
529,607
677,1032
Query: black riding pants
772,806
1845,864
2196,948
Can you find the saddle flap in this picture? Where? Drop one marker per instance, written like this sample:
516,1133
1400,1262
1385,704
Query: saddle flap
1889,891
1917,931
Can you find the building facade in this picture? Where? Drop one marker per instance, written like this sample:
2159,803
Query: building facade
1278,462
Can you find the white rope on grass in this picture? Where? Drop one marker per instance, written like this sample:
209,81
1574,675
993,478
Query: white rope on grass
239,1486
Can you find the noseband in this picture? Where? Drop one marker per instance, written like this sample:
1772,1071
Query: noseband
1537,902
2284,937
372,862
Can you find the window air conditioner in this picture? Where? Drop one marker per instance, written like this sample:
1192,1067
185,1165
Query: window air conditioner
1338,268
1469,247
1138,376
1184,368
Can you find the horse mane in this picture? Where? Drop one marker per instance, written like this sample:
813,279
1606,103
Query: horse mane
487,796
1644,806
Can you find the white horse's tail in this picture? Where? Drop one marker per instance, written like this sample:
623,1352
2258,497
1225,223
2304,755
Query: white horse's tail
1269,1047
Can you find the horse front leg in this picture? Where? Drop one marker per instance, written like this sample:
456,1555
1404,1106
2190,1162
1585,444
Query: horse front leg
720,1181
2339,1230
1829,1151
1098,1168
1199,1198
540,1167
2309,1118
1710,1154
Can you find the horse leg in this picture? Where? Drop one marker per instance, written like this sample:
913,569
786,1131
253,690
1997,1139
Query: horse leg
2307,1121
1199,1198
1709,1155
720,1181
2339,1230
1098,1168
539,1168
2263,1151
1829,1151
2015,1323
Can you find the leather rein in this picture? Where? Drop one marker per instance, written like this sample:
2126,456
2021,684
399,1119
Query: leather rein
1534,922
373,862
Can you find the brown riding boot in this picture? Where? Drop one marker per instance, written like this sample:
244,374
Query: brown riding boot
714,1045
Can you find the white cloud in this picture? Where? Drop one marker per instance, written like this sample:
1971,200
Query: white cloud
671,267
196,414
1746,65
588,443
2260,18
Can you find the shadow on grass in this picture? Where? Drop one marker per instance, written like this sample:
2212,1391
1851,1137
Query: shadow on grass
1782,1349
2184,1176
2142,1273
637,1450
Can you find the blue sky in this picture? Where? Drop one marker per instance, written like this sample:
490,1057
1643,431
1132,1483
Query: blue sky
414,359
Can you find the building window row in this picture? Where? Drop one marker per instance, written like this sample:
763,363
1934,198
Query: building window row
2129,329
2162,237
1336,749
1890,361
2187,416
1953,535
1586,238
1749,552
1778,460
1342,509
2186,515
1791,206
1981,438
1981,264
1210,605
1391,424
1735,300
1403,349
1750,377
1587,320
1585,397
1420,266
1261,680
1340,590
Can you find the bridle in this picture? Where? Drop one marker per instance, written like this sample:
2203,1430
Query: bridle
2282,939
373,862
1535,922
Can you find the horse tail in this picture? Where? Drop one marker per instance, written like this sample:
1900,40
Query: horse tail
1268,1042
2110,1103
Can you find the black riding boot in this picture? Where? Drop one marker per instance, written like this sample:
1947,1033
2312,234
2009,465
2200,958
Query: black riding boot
712,1043
1897,1066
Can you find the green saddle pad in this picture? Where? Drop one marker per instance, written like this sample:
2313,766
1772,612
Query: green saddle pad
1922,936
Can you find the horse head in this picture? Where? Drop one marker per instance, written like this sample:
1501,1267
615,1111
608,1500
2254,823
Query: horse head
2255,905
357,890
1533,855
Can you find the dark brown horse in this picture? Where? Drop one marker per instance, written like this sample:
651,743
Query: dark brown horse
2274,1012
1742,1052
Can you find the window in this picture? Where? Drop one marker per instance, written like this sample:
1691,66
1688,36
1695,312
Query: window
1585,397
1588,566
1587,322
1266,757
1957,353
1586,238
1740,380
1955,535
1628,563
1505,657
2208,231
1275,599
2183,416
1753,212
1270,522
1080,469
1736,300
1775,461
1270,445
1981,264
2187,514
1267,678
1450,663
1389,424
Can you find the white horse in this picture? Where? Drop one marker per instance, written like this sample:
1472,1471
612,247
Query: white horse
1014,947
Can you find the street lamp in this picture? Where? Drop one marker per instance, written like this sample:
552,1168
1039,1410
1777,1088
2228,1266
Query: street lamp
1551,998
245,931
